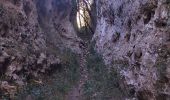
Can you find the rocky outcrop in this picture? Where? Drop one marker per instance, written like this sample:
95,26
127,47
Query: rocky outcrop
56,17
33,33
136,32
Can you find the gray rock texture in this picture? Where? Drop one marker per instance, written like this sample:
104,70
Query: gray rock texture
136,32
28,48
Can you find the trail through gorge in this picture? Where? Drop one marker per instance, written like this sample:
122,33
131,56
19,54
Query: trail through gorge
76,93
83,79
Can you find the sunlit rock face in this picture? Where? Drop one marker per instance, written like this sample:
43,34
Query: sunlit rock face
137,32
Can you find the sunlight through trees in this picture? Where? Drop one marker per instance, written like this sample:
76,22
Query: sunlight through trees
83,13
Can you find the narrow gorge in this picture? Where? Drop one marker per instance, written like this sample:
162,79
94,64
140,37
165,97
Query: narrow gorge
84,49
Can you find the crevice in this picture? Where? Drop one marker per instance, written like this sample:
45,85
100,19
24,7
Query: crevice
84,19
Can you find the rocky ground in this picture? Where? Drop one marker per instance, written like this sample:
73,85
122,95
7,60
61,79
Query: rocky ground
76,93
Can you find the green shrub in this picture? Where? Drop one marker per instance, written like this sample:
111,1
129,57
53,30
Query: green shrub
102,84
58,84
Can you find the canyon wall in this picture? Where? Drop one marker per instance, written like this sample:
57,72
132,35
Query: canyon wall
55,20
136,33
133,37
33,37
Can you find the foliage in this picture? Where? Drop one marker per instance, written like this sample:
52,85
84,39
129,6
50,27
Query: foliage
58,84
102,84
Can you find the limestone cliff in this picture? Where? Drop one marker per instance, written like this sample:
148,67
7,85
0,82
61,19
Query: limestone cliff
137,33
32,35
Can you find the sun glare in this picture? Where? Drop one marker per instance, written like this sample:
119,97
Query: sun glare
83,16
80,19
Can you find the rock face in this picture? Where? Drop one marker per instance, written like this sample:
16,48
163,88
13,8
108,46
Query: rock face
137,32
55,19
31,32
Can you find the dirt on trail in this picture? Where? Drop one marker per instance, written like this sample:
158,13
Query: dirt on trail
76,92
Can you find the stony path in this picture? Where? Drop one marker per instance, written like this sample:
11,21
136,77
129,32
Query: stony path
77,91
